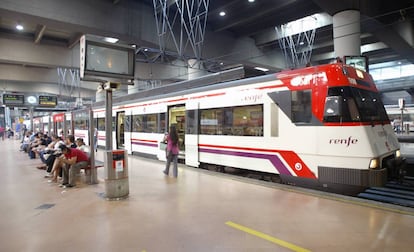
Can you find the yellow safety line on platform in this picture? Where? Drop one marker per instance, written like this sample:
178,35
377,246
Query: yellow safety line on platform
267,237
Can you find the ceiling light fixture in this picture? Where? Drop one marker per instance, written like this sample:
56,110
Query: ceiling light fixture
261,69
110,40
251,1
222,13
19,27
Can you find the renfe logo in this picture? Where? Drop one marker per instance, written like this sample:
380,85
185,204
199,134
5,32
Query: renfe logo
303,80
347,141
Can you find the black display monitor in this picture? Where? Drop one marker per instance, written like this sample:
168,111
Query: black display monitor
47,101
13,99
107,60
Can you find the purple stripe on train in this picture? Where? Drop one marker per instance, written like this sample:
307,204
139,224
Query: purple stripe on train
277,163
144,144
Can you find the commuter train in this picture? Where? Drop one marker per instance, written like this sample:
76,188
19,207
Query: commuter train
322,126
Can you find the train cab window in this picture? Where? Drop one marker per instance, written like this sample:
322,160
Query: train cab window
301,106
353,105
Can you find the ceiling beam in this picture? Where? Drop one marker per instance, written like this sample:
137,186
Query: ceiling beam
40,30
74,40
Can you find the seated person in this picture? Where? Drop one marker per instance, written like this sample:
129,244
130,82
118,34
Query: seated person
81,146
73,160
55,164
26,142
45,153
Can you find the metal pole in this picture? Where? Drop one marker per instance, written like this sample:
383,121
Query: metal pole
108,119
31,118
94,173
65,127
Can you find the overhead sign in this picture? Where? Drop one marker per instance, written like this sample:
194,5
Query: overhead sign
47,101
13,99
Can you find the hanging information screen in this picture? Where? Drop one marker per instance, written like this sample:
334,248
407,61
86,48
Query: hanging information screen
13,99
47,101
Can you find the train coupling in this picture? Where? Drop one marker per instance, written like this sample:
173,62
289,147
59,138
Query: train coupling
396,168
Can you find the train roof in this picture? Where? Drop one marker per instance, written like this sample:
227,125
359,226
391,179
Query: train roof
291,78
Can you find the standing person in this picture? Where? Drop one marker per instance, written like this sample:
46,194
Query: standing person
95,139
2,130
172,151
17,130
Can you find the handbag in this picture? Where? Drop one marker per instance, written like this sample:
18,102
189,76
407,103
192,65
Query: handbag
163,146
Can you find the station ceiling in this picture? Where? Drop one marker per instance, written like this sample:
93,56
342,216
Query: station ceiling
387,35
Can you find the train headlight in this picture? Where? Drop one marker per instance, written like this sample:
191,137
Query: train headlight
374,163
397,153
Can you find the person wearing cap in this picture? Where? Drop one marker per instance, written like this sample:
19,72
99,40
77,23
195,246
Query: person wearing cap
73,160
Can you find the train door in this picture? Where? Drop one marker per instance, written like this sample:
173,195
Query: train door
120,130
176,117
191,134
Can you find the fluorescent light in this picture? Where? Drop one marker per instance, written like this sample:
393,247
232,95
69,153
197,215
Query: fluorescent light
19,27
222,13
110,40
251,1
261,69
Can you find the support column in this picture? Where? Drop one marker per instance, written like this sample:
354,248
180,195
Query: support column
346,33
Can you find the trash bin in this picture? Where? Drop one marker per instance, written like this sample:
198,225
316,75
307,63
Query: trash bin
116,174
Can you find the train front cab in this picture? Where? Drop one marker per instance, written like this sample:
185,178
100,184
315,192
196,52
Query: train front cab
357,147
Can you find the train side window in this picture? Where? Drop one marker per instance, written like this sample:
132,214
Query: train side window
127,123
211,122
191,121
162,123
236,121
137,123
301,106
101,124
150,123
248,120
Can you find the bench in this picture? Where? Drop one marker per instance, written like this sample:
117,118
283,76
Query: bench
87,170
98,164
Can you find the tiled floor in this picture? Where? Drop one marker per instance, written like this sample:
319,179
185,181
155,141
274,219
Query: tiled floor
196,212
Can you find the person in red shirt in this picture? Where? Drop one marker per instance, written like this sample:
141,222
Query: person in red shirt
73,160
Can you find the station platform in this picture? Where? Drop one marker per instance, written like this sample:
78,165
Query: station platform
196,212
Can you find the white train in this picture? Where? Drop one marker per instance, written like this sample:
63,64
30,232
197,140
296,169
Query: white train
322,126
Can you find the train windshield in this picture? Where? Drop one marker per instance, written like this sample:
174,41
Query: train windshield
349,104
